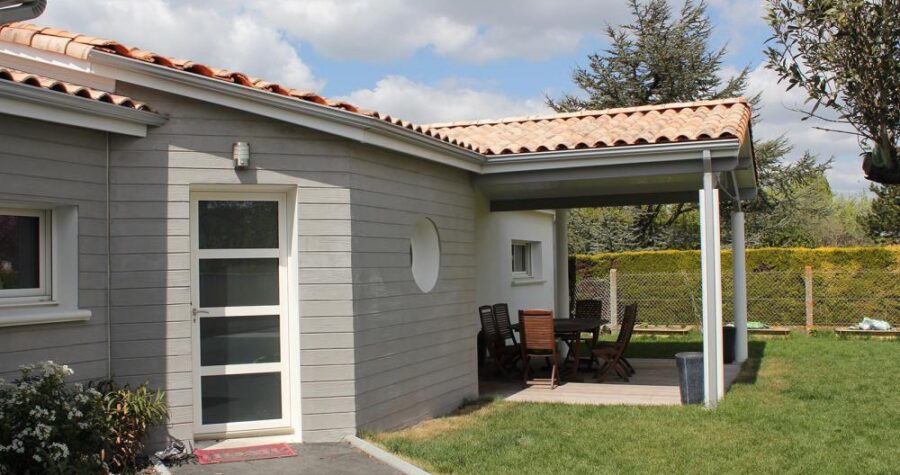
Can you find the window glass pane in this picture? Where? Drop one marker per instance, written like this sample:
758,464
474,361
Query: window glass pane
239,340
241,397
19,252
520,258
238,224
238,282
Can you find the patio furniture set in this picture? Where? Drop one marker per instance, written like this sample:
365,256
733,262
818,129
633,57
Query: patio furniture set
538,333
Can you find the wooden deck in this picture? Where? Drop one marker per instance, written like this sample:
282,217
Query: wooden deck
655,383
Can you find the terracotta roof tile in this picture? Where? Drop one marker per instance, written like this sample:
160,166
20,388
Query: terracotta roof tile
729,118
80,46
20,77
682,122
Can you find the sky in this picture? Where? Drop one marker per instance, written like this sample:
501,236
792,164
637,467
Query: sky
436,61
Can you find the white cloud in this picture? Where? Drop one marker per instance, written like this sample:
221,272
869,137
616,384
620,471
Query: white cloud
251,36
468,30
220,35
778,116
735,19
446,101
367,30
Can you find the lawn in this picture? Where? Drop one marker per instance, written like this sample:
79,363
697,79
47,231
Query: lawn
802,405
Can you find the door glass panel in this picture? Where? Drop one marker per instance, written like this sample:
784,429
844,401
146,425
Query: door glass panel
238,224
19,252
241,397
238,282
239,340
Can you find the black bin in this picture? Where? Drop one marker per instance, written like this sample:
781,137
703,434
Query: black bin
728,334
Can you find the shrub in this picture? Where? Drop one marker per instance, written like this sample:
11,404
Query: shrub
758,260
130,414
848,283
49,427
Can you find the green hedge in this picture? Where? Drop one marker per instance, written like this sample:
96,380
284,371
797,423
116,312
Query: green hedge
848,284
758,260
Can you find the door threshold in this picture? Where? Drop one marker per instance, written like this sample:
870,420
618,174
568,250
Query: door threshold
242,442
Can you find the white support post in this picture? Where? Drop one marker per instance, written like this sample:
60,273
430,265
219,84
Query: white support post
739,270
561,240
710,259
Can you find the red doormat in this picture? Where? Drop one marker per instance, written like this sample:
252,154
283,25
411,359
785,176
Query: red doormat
242,454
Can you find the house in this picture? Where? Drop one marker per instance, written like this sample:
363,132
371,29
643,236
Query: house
280,263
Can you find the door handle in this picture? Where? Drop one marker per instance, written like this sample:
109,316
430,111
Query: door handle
195,312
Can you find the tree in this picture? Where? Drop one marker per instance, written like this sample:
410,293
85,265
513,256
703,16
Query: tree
845,54
657,59
792,198
665,57
882,222
843,226
593,230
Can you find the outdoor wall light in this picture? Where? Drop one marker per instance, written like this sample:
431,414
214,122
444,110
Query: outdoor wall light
240,152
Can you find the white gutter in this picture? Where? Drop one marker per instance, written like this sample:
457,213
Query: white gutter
52,106
621,155
358,127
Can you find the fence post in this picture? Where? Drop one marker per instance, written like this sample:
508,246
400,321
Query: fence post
613,298
808,278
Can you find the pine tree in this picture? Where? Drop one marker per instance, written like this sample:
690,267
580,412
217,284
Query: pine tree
657,59
882,222
664,56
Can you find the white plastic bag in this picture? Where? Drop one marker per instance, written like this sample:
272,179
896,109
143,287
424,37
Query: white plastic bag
873,324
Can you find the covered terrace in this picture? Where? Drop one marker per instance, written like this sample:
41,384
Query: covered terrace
698,152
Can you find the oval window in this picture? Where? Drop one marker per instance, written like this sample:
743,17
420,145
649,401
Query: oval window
425,254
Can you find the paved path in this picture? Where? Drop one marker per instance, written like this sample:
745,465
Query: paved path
333,459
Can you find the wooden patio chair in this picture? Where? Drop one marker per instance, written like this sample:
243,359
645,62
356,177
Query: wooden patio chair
613,353
504,326
623,360
587,308
539,339
503,355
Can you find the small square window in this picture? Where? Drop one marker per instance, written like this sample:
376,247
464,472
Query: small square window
521,259
24,255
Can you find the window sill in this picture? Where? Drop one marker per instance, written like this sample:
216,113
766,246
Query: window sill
528,281
9,318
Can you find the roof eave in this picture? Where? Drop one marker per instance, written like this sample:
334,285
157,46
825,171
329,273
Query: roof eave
608,156
357,127
23,100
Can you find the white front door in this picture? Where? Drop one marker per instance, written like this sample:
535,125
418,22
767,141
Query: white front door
240,317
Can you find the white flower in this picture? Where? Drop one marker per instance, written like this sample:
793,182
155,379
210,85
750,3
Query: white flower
37,457
61,450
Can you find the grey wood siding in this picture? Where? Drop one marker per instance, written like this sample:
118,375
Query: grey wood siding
376,352
51,164
415,351
151,298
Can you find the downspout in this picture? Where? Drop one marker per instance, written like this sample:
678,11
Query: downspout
108,266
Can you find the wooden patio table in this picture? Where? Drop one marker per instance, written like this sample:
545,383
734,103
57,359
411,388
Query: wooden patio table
564,327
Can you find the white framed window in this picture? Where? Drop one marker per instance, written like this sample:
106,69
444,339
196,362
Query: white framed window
522,259
25,256
39,264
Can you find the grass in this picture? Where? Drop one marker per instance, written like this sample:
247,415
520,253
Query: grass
802,405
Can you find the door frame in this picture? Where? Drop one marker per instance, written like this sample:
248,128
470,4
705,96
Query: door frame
288,310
